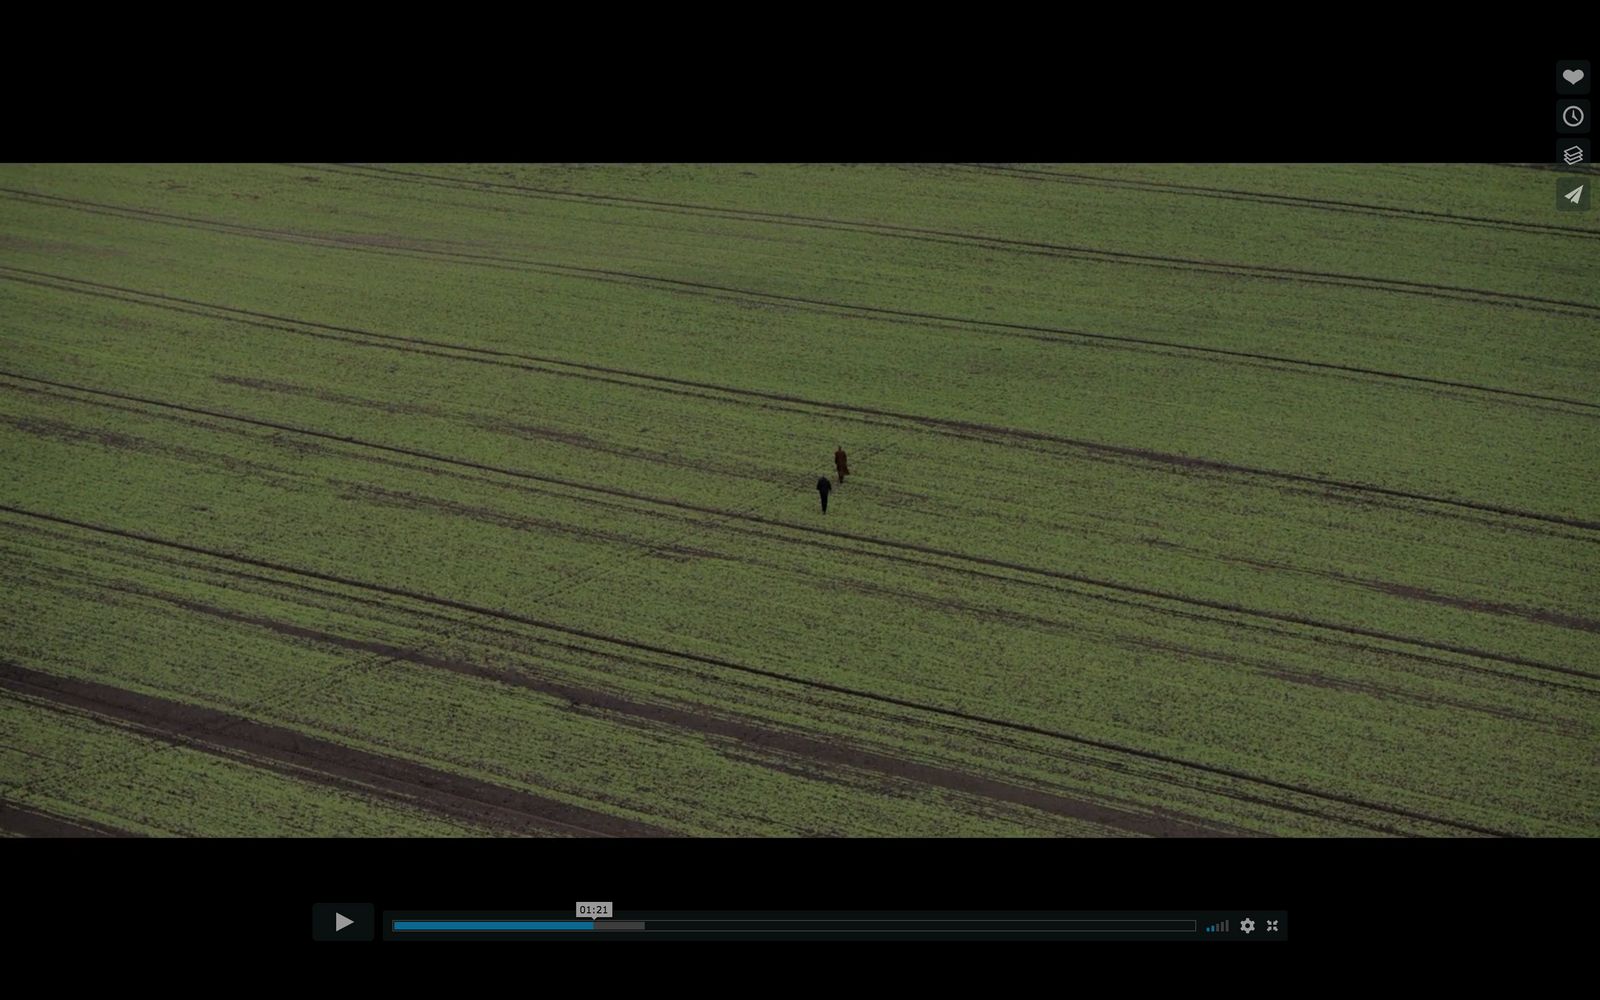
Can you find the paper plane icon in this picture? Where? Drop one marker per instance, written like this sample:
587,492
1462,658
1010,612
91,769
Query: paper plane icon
1575,194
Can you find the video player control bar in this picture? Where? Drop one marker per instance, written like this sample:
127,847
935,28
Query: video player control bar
638,924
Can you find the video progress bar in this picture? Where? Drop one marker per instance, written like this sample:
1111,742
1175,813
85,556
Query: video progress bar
791,925
517,925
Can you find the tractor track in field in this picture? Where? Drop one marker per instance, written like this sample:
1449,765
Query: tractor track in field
1271,668
53,429
1157,821
304,757
1539,616
1167,823
518,643
1118,451
411,500
34,821
526,432
1005,437
1322,495
947,426
412,345
1296,366
1551,168
1030,247
1148,606
1128,640
1051,584
705,720
719,662
846,310
1443,387
849,536
1268,667
515,642
1283,200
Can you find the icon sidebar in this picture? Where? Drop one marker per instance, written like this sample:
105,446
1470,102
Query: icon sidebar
1573,119
343,922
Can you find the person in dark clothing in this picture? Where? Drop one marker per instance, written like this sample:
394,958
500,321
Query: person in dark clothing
823,486
839,463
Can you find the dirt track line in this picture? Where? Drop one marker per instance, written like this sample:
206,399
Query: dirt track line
756,671
1035,247
1086,594
851,310
1412,592
1585,168
518,641
1121,451
1148,605
32,821
309,758
963,781
1095,594
393,342
504,359
848,310
957,428
702,719
1285,200
521,522
867,539
646,381
866,421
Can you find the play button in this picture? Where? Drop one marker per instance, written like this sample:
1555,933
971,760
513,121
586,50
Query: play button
343,922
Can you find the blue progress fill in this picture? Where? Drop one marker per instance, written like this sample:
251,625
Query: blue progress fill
494,925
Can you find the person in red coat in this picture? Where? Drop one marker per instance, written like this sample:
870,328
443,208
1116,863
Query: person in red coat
839,463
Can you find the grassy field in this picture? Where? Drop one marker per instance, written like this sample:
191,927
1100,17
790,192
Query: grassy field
464,501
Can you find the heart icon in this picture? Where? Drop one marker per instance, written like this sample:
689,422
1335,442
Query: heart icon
1573,76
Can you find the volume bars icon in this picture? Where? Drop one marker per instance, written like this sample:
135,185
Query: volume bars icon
1572,154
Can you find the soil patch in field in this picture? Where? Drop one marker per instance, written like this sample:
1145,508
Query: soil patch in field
31,821
309,758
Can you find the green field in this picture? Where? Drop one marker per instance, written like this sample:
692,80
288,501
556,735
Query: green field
475,501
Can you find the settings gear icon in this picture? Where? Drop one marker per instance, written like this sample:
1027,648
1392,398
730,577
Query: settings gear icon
1247,925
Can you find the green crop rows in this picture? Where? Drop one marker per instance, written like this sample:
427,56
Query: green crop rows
471,501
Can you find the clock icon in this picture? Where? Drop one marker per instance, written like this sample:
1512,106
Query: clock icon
1572,117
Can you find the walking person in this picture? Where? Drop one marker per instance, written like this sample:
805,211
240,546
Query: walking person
839,463
823,486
